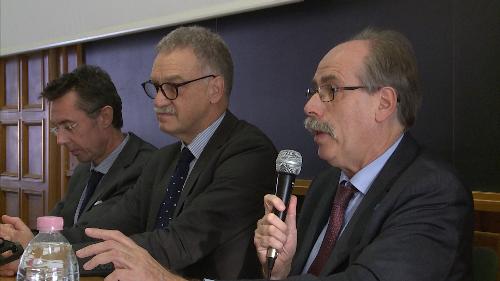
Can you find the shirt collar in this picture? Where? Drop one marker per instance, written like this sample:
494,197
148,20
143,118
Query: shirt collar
106,164
364,178
200,141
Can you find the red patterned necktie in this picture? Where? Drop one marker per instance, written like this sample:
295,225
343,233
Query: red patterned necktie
345,191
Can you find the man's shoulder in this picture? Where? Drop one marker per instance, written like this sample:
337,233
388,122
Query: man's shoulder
138,143
238,130
428,167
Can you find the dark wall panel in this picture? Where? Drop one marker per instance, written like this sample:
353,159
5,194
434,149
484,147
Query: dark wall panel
276,52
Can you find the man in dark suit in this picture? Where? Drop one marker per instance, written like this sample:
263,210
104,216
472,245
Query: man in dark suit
385,210
86,118
201,223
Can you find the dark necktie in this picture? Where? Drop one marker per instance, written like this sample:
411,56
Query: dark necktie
174,188
94,179
345,191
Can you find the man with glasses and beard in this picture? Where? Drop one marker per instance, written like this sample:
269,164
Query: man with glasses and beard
385,210
86,118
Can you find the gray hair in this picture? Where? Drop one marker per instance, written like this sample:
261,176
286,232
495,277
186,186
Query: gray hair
208,47
391,62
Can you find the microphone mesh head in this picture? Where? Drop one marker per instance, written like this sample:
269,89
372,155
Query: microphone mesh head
289,161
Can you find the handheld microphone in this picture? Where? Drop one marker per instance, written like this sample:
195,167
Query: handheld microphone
288,165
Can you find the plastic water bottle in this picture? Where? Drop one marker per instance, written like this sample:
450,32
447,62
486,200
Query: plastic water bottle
49,256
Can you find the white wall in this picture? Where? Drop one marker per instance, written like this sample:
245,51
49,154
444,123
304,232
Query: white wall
27,25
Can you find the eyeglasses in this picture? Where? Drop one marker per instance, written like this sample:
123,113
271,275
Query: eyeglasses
168,89
327,92
67,127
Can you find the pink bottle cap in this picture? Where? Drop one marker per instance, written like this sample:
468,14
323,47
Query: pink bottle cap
49,223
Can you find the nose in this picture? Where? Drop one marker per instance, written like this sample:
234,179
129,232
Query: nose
61,138
160,100
314,106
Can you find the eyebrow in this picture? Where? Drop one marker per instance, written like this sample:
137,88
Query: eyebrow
65,121
329,78
325,79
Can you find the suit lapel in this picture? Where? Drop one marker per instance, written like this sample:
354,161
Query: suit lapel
217,140
316,220
124,159
80,177
402,157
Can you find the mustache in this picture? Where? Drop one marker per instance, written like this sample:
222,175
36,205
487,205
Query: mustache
165,109
314,125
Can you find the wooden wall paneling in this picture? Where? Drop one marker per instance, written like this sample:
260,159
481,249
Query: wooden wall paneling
12,84
32,206
9,200
56,181
9,146
63,57
2,83
3,202
33,150
79,54
32,77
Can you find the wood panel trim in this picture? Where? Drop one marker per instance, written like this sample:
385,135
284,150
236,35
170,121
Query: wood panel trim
3,104
25,83
486,201
25,193
3,200
3,149
25,148
3,85
54,150
301,186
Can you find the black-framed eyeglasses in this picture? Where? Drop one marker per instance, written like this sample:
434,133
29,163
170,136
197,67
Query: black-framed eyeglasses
327,92
168,89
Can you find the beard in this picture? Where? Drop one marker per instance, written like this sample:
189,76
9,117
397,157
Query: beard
313,125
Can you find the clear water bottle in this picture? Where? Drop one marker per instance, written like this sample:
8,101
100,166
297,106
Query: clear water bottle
49,256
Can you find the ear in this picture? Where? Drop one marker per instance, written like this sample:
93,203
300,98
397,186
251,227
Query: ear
388,103
105,117
216,89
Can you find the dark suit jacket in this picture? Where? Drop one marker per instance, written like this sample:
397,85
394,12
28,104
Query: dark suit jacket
122,175
211,234
415,223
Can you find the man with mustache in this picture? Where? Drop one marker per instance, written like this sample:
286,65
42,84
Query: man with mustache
197,202
385,210
86,118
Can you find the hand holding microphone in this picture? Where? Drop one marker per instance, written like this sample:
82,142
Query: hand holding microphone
288,165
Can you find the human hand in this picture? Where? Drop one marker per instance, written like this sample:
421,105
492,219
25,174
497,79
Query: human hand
14,229
131,261
9,269
271,232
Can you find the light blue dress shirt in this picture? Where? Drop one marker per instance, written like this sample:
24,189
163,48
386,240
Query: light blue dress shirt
200,141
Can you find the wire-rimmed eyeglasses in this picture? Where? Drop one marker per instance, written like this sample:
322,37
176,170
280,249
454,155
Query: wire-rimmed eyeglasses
168,89
64,127
327,92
